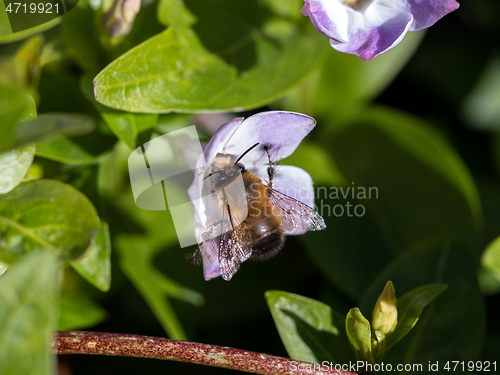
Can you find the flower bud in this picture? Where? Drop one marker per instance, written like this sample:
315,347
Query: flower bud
119,19
385,313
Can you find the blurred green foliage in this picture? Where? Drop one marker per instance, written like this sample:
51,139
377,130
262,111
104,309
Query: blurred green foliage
419,125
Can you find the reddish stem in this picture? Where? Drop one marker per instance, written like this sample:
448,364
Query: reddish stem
116,344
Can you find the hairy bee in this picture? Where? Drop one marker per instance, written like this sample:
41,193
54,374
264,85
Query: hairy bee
269,214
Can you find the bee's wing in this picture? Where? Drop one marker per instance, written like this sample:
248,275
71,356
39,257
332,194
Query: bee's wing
297,216
233,249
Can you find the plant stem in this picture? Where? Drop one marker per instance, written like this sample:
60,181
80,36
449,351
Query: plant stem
116,344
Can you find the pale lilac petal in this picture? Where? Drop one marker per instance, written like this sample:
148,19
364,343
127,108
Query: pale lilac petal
374,31
281,131
425,12
210,255
371,27
220,138
329,17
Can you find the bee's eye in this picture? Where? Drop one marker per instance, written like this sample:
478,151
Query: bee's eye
242,167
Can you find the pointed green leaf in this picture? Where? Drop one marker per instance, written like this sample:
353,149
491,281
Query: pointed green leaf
480,107
359,334
46,214
49,126
14,165
410,307
95,267
14,105
23,69
310,330
28,315
490,260
489,273
64,150
248,60
174,13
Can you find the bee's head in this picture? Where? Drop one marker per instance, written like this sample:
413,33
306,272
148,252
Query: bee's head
224,171
225,175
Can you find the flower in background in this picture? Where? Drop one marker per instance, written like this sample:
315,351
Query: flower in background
367,28
120,18
282,132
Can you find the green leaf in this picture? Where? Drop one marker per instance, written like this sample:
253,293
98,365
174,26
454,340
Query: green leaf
480,107
46,214
23,69
453,326
28,315
409,184
95,267
128,127
410,307
310,330
64,150
287,9
14,165
79,311
359,334
490,260
5,28
14,105
250,58
174,13
48,126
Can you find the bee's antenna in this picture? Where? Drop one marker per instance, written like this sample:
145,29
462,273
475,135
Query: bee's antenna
246,152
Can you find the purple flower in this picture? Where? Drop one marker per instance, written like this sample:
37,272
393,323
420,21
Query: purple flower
367,28
282,132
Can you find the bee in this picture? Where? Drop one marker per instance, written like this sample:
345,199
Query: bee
261,234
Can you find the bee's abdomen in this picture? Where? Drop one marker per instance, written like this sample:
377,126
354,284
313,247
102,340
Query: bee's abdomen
267,238
263,226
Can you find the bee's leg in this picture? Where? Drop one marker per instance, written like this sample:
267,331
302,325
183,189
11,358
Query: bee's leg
270,169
